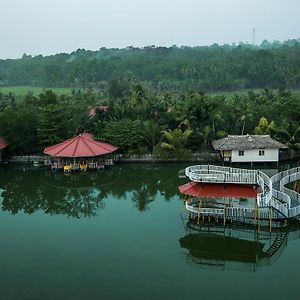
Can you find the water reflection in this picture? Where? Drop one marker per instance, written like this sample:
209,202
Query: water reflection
235,247
83,195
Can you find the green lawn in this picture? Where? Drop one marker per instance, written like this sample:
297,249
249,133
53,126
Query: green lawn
22,90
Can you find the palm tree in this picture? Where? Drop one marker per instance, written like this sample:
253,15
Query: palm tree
291,139
243,110
205,132
176,140
151,133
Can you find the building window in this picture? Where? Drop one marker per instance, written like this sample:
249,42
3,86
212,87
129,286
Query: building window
261,152
241,153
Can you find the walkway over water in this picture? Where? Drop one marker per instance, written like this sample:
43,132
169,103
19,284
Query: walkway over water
275,196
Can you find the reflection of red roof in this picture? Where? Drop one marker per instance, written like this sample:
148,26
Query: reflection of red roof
82,145
3,143
198,189
92,110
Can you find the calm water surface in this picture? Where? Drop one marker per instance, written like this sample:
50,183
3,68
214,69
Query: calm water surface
118,234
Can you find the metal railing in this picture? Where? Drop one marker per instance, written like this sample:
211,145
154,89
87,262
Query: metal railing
285,178
284,200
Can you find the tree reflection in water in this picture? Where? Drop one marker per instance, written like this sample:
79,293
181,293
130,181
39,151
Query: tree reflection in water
82,195
235,247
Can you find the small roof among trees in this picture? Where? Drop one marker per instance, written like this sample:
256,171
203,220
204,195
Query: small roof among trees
82,145
3,143
247,142
93,110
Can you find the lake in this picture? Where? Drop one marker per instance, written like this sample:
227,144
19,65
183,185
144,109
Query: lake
122,233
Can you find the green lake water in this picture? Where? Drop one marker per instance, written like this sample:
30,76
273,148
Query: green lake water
119,234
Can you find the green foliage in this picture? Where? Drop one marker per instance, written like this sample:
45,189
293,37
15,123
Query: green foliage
214,68
126,134
264,127
139,120
176,142
51,125
151,133
19,129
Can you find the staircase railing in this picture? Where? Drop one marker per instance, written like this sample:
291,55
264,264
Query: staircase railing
285,178
281,200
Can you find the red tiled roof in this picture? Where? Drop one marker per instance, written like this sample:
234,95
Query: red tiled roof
197,189
82,145
3,143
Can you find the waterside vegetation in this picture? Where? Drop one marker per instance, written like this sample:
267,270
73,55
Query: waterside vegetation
141,120
164,101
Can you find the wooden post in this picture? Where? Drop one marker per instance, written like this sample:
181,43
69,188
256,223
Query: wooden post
203,207
231,213
258,223
224,213
199,210
254,215
270,219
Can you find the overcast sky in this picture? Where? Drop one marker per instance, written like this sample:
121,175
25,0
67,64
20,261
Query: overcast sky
54,26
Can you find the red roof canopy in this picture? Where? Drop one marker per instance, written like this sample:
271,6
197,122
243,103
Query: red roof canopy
82,145
3,143
219,190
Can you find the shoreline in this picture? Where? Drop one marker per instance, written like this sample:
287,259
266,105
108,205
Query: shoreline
199,157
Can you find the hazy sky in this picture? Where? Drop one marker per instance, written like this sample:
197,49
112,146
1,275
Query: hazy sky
54,26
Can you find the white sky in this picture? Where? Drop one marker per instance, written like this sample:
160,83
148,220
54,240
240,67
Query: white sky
54,26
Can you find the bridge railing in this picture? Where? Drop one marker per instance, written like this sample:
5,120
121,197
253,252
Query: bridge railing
287,177
208,173
219,174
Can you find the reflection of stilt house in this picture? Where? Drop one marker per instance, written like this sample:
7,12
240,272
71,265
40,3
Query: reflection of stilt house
81,152
243,248
248,148
3,145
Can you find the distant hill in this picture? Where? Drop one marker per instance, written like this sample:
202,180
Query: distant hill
211,68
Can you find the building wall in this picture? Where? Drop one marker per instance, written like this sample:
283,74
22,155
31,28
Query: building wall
253,155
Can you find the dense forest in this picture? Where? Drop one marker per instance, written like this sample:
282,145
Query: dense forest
156,99
208,68
142,120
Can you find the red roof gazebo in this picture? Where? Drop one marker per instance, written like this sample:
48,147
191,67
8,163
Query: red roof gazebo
82,145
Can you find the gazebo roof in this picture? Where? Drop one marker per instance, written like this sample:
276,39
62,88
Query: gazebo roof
82,145
197,189
3,143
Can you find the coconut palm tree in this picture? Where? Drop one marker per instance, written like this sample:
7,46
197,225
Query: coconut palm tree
176,140
151,133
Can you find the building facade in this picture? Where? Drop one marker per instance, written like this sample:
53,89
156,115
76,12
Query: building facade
248,148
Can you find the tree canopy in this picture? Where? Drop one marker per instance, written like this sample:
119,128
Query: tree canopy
210,68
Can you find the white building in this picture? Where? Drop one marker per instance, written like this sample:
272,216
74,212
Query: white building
248,148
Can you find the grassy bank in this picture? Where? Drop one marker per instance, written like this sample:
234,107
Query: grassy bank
23,90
